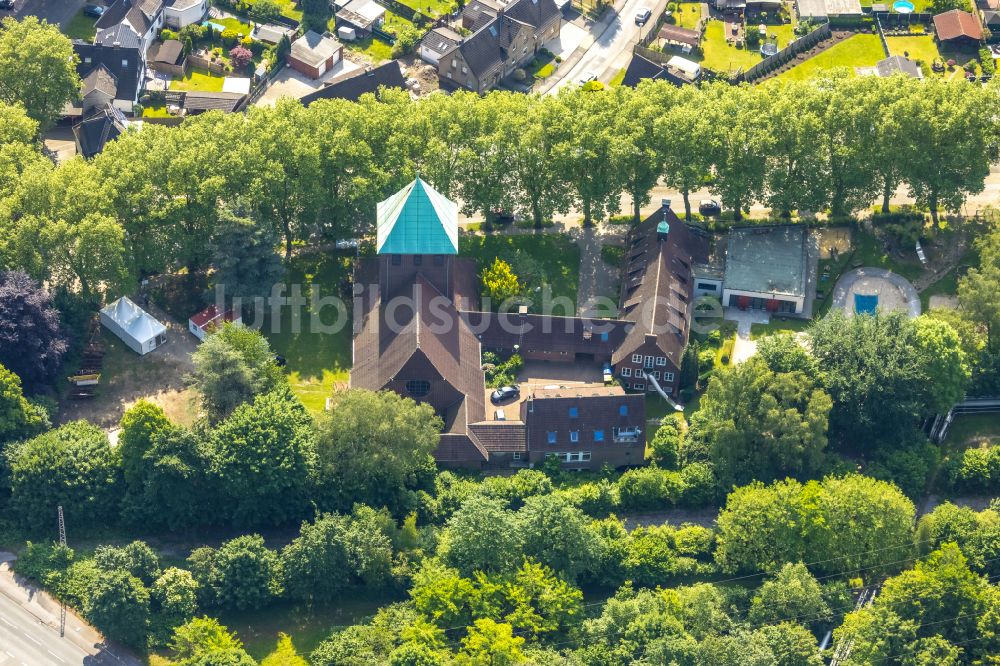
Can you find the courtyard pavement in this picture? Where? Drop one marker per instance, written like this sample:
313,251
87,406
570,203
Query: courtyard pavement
894,291
743,346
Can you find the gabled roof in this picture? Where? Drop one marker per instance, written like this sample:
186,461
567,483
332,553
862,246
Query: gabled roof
955,23
140,14
535,13
119,35
487,48
417,220
675,33
441,40
135,321
657,285
93,132
124,64
388,75
100,79
991,17
898,65
640,68
314,49
212,101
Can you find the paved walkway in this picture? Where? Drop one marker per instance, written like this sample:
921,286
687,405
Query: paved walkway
894,291
597,293
743,346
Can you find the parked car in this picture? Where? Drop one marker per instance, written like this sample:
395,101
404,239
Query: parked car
642,15
280,360
709,207
505,394
95,11
587,77
6,4
607,373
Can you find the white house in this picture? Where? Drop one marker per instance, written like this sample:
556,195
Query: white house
181,13
209,319
143,17
136,327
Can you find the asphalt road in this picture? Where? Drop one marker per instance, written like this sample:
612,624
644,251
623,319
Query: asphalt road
612,50
26,641
58,12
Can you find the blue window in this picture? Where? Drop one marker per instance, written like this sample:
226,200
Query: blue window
552,436
623,410
573,412
574,435
604,336
598,435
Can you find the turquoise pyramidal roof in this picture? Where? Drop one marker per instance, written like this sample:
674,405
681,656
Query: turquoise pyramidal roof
417,220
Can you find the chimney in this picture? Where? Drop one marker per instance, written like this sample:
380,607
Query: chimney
665,203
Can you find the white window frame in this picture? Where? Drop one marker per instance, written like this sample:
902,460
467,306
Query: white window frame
649,362
668,376
574,436
637,358
516,455
661,360
639,387
626,372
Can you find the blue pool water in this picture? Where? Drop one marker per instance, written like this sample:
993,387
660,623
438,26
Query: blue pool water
903,6
865,303
218,27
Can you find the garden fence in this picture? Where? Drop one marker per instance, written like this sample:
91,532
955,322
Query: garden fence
782,57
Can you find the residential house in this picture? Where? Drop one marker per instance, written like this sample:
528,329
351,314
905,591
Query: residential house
314,54
270,33
641,68
991,20
144,17
437,42
503,44
179,14
958,28
684,38
110,75
363,16
97,128
372,80
478,13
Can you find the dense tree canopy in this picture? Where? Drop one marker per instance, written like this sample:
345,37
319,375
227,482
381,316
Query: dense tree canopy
32,342
37,68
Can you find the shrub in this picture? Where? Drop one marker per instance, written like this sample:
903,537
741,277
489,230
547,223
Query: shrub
975,471
240,57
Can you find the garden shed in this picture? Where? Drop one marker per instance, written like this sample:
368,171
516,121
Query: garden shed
139,330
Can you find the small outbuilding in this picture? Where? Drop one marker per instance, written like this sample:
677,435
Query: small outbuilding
168,57
362,15
137,328
314,54
675,35
898,65
209,319
958,28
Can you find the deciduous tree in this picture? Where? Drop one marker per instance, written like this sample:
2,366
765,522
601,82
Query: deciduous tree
37,68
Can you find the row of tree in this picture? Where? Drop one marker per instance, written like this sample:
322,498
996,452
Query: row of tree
304,174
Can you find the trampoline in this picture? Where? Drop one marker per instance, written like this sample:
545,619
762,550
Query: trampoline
865,303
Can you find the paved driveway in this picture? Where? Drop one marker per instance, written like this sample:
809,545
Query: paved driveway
57,12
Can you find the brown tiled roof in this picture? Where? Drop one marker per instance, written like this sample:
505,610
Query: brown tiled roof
956,23
425,339
657,285
546,412
676,33
533,332
501,435
171,52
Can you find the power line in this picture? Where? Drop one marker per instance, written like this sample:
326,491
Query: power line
62,603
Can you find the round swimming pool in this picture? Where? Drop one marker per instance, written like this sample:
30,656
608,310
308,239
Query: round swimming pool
903,6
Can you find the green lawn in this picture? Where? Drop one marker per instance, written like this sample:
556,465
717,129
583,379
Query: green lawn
617,79
81,27
234,24
395,23
315,360
688,14
288,8
155,112
308,626
946,286
868,252
375,49
778,325
200,80
431,7
537,259
719,56
861,50
541,66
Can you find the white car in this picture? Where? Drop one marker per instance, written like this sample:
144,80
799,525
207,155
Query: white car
587,77
643,15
